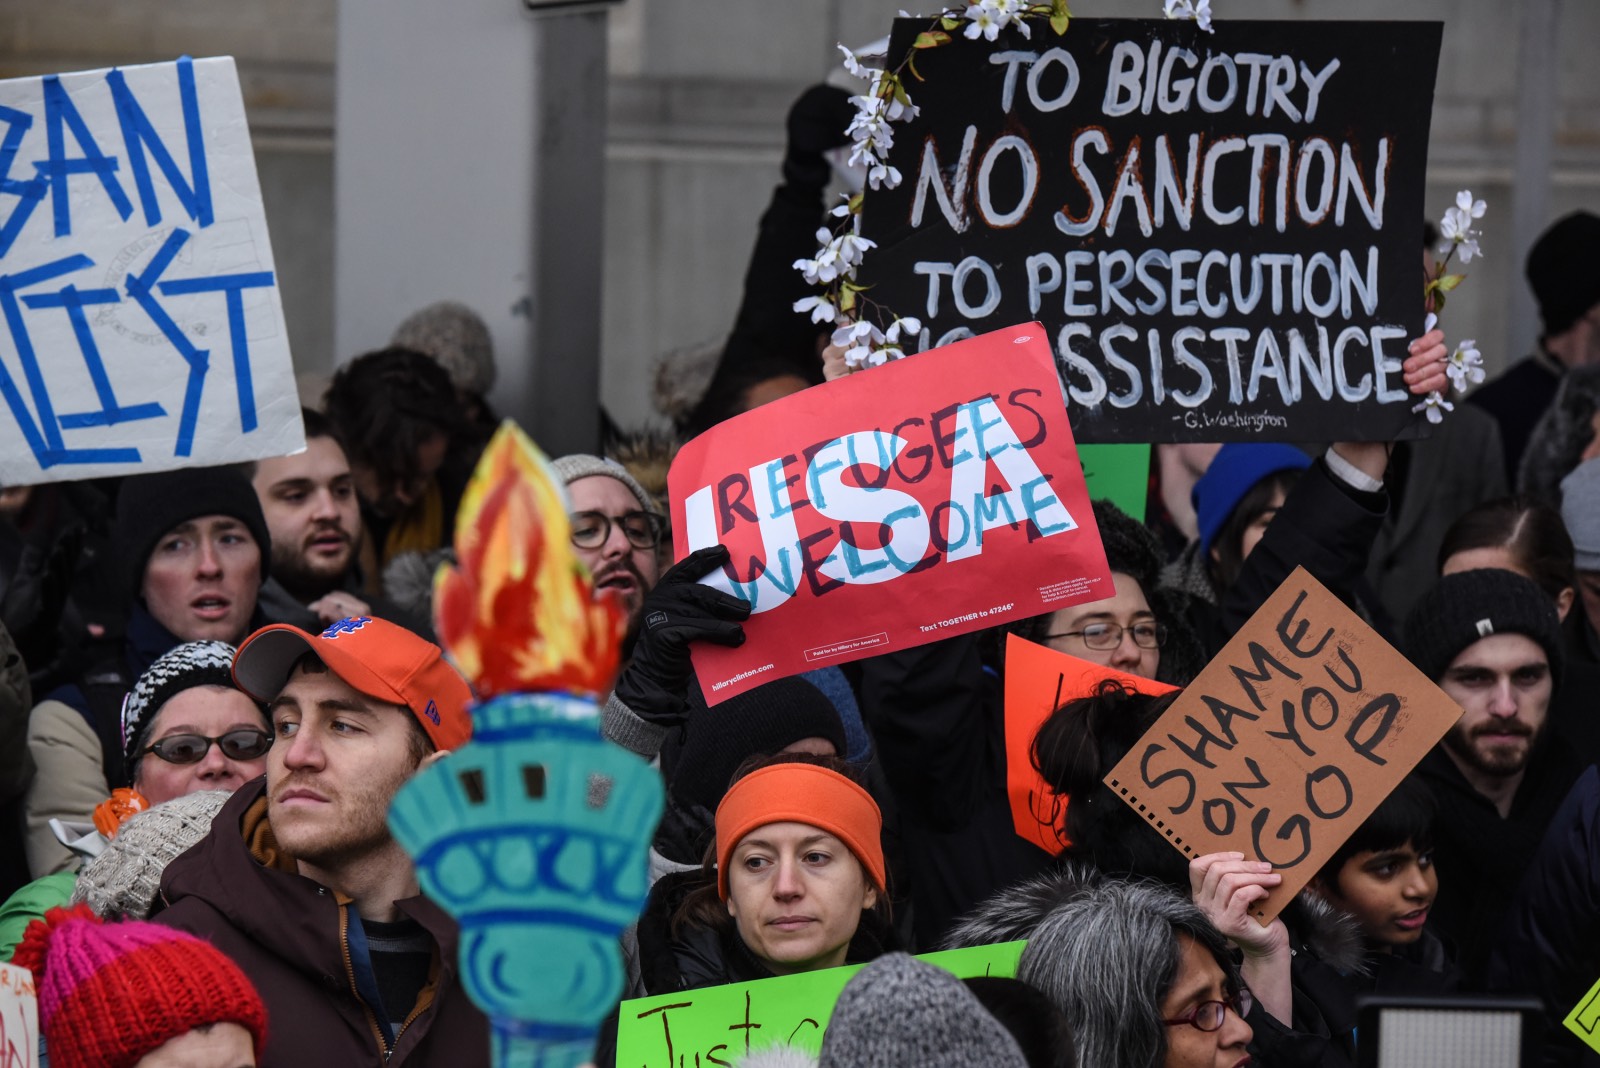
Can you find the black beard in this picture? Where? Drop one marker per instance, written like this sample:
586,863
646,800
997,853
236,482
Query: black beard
1462,746
303,585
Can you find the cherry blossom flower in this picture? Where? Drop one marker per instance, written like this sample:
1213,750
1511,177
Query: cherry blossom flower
852,63
982,21
1197,10
821,309
850,334
1465,366
1434,406
1456,226
863,345
905,324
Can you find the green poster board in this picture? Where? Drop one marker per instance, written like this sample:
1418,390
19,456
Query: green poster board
719,1024
1584,1019
1119,474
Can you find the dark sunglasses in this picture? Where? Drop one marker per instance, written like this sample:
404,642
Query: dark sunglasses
246,743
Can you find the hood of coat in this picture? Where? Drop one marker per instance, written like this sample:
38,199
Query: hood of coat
1327,932
239,870
1014,912
1189,574
778,1057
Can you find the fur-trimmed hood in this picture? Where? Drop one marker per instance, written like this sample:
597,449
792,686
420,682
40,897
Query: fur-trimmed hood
778,1057
1189,574
647,455
682,377
1330,934
1014,912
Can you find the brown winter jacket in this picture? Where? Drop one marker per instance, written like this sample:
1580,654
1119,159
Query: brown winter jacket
240,892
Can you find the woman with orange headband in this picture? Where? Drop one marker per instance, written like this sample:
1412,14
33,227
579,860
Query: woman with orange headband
798,869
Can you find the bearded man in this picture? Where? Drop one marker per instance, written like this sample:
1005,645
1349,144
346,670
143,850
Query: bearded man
1491,639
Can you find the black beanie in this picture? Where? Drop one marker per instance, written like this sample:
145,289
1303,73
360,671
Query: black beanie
148,506
1131,547
757,722
1559,271
1462,608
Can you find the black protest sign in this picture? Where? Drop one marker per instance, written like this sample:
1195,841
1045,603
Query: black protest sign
1222,232
1287,741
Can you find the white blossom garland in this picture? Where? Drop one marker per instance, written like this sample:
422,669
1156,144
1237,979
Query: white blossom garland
883,103
1457,236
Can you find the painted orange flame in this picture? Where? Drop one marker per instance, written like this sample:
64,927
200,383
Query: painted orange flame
518,612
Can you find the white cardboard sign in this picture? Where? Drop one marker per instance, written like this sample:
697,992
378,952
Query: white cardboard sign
140,323
19,1018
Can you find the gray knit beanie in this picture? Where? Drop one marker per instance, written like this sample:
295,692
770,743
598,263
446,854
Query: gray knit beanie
582,465
458,340
1580,511
900,1011
1467,606
125,878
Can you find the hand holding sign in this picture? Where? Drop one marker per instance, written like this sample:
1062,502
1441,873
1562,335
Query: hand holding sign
931,498
1287,741
1224,886
678,611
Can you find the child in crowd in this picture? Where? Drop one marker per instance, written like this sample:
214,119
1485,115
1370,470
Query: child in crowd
1360,926
137,995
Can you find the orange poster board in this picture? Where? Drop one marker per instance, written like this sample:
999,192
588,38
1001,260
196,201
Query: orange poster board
1038,681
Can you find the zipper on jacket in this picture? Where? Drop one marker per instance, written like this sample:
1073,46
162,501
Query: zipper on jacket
350,977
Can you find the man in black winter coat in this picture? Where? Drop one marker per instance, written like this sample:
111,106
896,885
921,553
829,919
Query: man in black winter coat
1492,641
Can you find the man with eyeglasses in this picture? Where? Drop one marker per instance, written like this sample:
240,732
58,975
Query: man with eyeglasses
617,529
618,532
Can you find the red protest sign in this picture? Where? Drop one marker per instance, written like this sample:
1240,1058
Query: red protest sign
930,497
1039,681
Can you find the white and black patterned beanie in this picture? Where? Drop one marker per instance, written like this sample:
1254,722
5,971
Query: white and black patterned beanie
183,667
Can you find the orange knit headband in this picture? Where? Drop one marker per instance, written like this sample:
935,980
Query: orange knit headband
801,793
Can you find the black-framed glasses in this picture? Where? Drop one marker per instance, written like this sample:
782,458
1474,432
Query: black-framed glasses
1109,635
590,530
1208,1015
246,743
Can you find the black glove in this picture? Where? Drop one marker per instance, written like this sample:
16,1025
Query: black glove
816,123
679,610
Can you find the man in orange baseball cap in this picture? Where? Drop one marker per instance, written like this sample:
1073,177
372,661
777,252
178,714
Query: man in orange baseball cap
299,880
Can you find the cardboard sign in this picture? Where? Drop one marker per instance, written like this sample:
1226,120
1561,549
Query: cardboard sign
1218,231
19,1018
719,1025
930,498
1040,680
140,325
1119,474
1287,741
1584,1019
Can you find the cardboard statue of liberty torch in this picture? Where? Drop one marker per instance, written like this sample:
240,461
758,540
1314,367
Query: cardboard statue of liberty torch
534,836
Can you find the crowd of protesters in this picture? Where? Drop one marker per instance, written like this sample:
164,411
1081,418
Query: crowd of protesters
214,681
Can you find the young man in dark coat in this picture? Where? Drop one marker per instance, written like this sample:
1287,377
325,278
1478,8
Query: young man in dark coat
1492,641
299,880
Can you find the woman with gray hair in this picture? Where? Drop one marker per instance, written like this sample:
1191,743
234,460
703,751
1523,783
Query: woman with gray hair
1143,977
